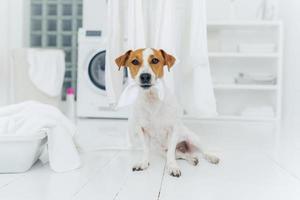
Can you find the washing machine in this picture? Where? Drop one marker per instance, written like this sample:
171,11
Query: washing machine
92,101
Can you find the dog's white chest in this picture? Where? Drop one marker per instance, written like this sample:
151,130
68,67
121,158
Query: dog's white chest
156,117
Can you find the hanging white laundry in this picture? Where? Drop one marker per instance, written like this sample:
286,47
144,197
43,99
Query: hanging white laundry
193,73
136,37
116,22
203,86
47,70
164,36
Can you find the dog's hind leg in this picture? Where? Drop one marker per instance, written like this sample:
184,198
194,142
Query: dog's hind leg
194,140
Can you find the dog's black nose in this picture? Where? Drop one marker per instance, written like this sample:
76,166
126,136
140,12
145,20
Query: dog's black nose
145,78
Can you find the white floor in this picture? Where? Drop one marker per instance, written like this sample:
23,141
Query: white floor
253,166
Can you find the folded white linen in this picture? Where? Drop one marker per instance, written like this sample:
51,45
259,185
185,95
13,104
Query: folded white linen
262,111
267,79
256,48
30,118
47,70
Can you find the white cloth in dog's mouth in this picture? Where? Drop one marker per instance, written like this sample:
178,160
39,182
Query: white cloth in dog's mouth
131,92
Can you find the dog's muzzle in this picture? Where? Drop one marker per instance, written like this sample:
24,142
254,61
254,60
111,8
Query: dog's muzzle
145,80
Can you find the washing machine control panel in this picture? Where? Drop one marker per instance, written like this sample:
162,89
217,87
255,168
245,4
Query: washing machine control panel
93,33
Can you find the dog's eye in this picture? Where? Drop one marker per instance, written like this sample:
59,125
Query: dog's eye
135,62
154,61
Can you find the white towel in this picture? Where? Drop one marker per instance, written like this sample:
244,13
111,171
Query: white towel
47,69
30,118
266,79
130,93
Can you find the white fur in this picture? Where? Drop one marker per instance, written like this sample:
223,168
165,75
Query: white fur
158,121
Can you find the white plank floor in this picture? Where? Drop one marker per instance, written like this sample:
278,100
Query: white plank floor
244,173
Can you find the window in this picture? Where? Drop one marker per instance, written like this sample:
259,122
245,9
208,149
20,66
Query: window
54,24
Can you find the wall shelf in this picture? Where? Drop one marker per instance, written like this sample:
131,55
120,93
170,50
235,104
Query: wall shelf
242,55
245,87
243,24
232,118
226,63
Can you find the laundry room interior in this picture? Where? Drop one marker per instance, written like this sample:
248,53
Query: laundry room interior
85,83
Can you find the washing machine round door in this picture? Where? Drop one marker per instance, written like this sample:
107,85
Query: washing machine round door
96,70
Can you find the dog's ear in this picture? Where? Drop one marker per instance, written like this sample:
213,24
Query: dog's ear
121,61
169,59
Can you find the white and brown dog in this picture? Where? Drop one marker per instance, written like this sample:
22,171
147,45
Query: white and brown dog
158,119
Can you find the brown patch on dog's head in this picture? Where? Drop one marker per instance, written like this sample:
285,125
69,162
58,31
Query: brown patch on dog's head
163,58
169,59
131,59
121,61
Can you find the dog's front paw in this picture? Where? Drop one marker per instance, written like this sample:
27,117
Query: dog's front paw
141,166
174,170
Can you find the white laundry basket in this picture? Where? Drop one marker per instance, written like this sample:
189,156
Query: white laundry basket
18,154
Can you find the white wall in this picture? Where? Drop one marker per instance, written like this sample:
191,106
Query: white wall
12,36
290,13
220,9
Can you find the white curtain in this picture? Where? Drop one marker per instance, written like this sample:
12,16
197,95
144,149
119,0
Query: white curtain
11,36
116,31
193,77
178,27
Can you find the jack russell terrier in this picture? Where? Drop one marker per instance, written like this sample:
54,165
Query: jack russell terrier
156,117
